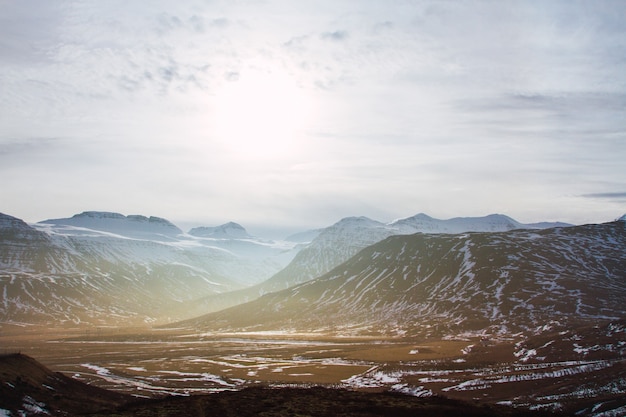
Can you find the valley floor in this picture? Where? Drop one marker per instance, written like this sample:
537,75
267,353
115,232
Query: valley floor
148,363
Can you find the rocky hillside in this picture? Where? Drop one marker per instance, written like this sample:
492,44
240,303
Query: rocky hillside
482,283
106,268
339,242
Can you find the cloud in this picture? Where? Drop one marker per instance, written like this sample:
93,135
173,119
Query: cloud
28,30
232,76
11,149
338,35
415,106
616,195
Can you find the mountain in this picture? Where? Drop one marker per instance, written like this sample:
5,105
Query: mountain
229,230
106,268
332,246
339,242
426,224
498,283
142,268
137,226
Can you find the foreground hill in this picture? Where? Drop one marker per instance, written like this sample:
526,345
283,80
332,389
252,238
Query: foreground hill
440,285
108,269
27,388
339,242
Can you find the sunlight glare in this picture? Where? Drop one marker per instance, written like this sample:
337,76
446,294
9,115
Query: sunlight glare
260,114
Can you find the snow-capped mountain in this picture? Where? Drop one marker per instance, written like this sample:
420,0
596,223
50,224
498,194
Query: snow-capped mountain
425,284
101,267
491,223
135,226
267,256
339,242
146,268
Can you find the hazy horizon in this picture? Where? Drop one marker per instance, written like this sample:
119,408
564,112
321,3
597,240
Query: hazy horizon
295,115
281,231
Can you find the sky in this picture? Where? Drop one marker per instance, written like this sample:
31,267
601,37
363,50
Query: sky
290,115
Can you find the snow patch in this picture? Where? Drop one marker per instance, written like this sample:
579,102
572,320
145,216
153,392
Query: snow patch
419,391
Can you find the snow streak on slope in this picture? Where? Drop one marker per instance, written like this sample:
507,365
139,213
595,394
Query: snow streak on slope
496,283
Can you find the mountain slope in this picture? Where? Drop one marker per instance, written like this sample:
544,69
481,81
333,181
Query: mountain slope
497,283
121,270
339,242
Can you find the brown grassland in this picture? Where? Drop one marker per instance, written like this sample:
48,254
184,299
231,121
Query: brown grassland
304,374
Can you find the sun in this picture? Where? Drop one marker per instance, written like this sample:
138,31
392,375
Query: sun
260,114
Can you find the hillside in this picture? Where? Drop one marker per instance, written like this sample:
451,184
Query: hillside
441,285
27,388
108,269
342,240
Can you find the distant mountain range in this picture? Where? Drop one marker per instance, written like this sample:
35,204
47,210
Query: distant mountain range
100,267
339,242
107,268
495,283
136,226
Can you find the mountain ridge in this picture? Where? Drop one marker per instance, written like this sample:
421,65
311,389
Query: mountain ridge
134,225
85,267
337,243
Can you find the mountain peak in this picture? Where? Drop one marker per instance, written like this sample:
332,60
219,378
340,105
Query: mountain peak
230,230
356,221
418,216
10,222
15,229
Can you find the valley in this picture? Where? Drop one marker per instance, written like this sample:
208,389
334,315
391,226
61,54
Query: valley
484,311
579,370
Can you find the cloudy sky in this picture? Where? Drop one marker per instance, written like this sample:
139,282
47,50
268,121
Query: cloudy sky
294,114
